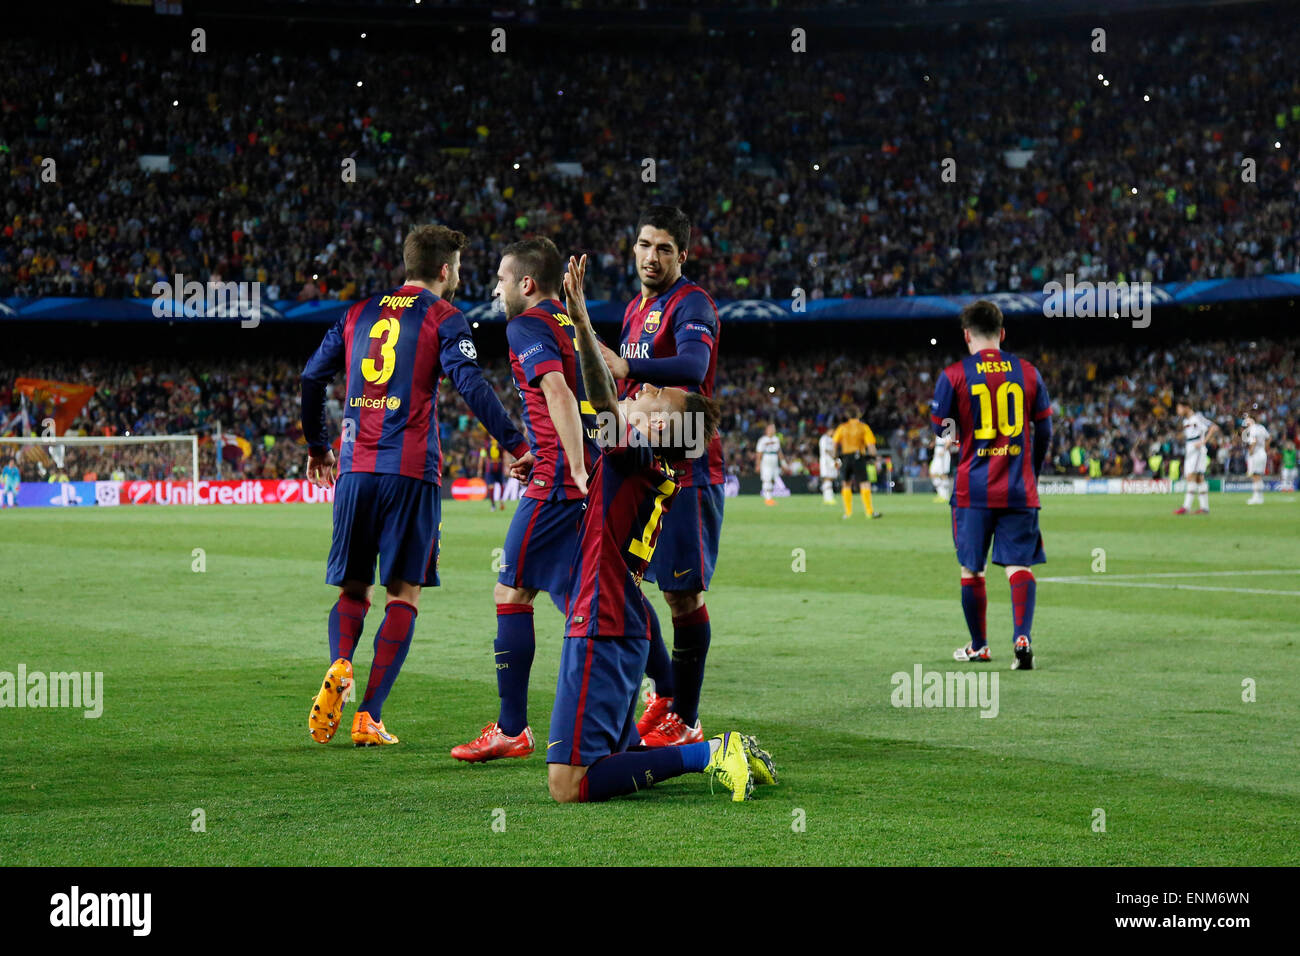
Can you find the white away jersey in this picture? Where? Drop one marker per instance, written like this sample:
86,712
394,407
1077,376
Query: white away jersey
1255,434
769,445
826,447
1195,427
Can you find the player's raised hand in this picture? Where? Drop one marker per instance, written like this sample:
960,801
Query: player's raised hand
322,470
574,297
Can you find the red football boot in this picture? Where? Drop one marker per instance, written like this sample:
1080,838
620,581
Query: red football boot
656,709
492,744
673,732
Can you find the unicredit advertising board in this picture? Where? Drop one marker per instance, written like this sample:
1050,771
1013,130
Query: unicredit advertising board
111,493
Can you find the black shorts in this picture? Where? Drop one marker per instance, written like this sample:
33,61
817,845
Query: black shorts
852,467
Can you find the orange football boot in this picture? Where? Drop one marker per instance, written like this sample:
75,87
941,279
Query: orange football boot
370,733
327,705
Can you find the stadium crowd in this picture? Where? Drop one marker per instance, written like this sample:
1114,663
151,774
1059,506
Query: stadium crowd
820,171
1112,411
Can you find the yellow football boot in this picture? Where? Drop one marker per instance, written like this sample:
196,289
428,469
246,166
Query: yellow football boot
730,764
761,767
327,705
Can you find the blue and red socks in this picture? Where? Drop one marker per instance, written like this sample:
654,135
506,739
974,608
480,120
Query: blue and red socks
392,642
515,645
691,634
635,770
974,604
658,666
1024,590
346,618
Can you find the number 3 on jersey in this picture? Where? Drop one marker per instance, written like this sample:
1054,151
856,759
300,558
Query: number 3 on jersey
1010,422
389,330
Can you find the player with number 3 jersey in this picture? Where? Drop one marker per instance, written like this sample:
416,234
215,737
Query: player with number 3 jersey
395,349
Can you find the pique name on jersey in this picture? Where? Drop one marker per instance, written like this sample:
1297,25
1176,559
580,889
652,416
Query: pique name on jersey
634,350
398,301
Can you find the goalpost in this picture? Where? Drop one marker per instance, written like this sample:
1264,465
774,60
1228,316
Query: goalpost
53,448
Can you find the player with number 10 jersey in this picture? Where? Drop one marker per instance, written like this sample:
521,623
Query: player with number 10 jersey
1002,415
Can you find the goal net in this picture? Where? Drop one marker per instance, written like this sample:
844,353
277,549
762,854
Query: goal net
72,469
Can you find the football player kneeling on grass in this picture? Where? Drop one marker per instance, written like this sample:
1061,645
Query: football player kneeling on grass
594,750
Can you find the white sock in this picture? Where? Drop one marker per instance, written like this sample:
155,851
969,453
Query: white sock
1203,494
714,744
1187,498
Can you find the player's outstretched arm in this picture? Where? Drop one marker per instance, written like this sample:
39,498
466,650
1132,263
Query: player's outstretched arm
1042,443
596,376
322,469
688,367
562,406
942,419
325,363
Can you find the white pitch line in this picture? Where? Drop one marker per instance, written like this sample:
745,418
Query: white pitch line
1092,578
1127,581
1171,587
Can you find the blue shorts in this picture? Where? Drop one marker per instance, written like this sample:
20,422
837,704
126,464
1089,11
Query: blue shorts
1013,531
390,516
687,549
595,699
539,546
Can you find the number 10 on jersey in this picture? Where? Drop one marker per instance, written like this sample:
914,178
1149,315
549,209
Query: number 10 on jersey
1009,402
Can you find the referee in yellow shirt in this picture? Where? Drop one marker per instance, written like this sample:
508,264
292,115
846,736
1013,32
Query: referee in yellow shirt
854,440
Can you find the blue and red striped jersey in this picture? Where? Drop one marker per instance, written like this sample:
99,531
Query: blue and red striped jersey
541,340
664,326
490,457
396,347
630,492
994,399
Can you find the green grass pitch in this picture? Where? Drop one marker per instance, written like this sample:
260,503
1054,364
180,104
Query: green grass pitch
1137,709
